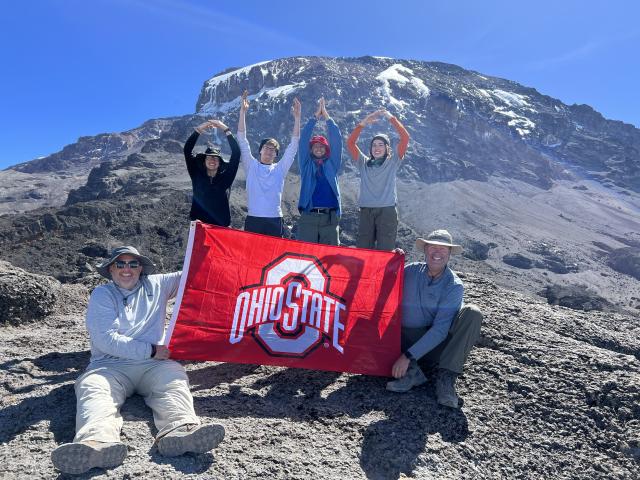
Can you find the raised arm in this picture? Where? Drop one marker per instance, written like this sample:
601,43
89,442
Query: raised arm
352,145
244,106
245,152
403,143
290,153
296,111
229,174
335,138
189,157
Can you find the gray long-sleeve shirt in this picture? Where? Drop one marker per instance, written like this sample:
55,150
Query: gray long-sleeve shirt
430,303
125,323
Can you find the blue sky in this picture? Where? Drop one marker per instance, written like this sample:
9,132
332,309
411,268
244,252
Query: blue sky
72,68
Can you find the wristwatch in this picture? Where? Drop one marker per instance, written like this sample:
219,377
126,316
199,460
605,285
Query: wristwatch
408,355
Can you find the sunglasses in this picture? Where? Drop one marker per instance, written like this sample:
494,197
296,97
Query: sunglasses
133,264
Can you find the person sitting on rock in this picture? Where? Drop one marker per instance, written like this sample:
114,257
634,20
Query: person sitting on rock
438,331
211,176
319,202
378,224
265,178
125,319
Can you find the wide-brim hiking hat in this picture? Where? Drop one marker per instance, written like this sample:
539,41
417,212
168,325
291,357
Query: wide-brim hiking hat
439,237
322,141
148,267
214,152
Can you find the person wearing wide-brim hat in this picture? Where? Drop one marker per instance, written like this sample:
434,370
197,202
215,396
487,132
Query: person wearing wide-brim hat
378,222
438,329
211,176
125,319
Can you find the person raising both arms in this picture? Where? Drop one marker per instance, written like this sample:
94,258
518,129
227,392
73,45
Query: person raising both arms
319,161
211,176
265,178
378,224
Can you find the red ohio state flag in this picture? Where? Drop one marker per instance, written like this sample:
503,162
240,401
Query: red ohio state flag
249,298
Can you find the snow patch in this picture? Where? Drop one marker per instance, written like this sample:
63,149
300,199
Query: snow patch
514,100
284,90
402,75
272,94
507,101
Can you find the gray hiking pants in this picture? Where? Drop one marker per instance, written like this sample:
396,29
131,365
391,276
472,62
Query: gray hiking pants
102,389
452,353
319,227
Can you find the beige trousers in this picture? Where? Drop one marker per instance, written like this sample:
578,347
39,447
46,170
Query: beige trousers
102,389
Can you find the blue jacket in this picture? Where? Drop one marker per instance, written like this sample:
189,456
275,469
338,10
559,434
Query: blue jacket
308,167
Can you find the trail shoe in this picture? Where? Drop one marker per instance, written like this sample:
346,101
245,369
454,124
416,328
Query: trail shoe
79,457
190,438
412,378
446,388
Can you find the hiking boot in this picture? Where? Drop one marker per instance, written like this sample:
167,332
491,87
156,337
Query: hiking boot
412,378
80,457
190,438
446,388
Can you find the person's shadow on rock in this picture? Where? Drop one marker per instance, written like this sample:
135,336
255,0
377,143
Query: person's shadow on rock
57,406
390,447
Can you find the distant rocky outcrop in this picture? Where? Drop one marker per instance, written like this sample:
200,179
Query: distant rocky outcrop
626,260
577,297
548,258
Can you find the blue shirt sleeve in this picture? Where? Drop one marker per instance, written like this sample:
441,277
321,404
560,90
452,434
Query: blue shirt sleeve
304,154
335,141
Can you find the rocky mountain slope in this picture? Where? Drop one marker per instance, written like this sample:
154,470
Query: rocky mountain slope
548,392
544,195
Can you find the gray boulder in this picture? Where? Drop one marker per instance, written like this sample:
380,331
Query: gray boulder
25,296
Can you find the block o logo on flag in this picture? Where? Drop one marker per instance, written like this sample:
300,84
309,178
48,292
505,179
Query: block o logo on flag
292,311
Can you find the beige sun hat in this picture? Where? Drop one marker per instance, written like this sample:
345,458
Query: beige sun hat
148,267
438,237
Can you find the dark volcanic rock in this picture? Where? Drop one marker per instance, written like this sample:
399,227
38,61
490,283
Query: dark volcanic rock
134,175
576,297
626,260
518,260
475,250
162,145
25,296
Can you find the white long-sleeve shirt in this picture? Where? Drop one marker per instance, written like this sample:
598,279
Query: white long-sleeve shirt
125,323
265,182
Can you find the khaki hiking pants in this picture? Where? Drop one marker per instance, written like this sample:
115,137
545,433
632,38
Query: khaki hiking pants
102,389
452,353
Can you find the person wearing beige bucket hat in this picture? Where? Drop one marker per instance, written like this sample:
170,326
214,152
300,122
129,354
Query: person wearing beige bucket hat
125,319
438,329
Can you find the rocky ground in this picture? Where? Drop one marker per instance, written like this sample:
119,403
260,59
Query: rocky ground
548,393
